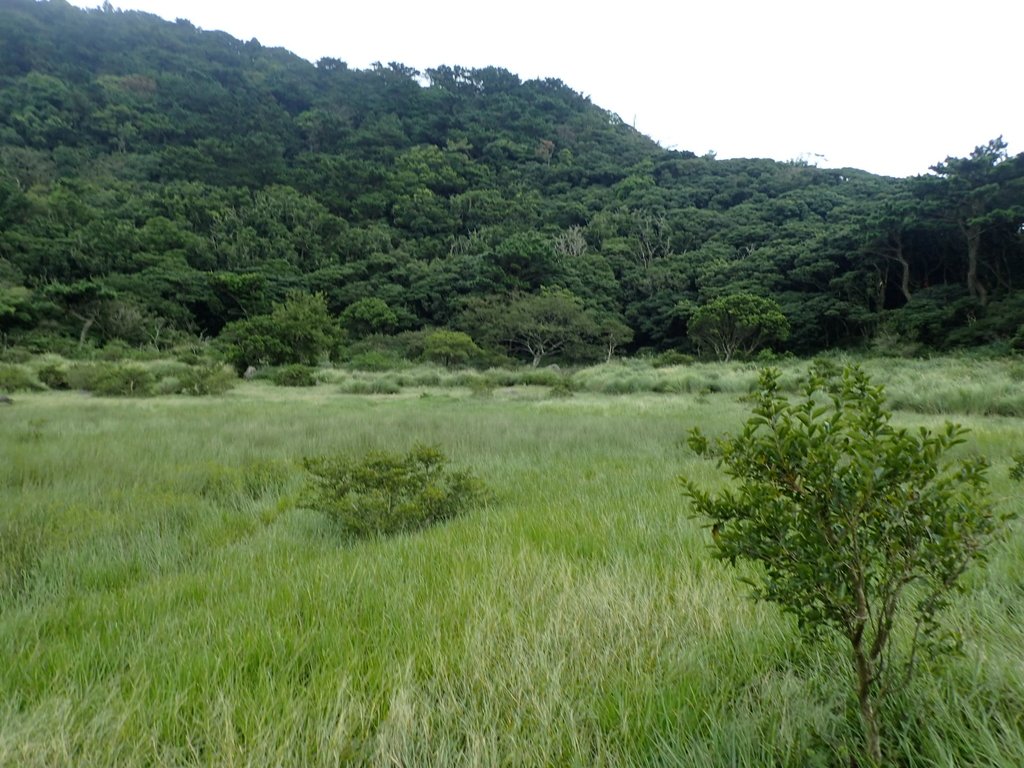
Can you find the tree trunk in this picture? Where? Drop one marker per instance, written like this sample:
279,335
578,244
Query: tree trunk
865,675
977,290
87,323
868,715
899,258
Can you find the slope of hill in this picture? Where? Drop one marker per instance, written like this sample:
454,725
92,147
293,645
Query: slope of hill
156,179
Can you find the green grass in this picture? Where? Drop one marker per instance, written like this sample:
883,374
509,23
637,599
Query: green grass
163,600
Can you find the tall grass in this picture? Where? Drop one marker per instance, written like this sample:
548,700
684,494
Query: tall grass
165,601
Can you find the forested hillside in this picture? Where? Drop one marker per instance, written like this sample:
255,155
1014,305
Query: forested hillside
158,182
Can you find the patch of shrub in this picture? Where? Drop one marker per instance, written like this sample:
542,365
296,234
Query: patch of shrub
15,355
386,493
374,360
564,387
201,380
14,378
381,386
112,380
480,386
671,357
294,376
54,376
421,377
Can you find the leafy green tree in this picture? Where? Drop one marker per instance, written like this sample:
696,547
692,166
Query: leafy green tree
741,322
982,192
862,529
537,325
298,330
612,333
368,316
83,300
450,348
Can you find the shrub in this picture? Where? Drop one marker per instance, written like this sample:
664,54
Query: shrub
14,378
298,330
15,355
863,530
375,361
294,376
54,376
670,358
386,493
564,387
382,386
201,380
111,380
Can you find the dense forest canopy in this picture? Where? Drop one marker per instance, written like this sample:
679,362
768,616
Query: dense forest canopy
158,181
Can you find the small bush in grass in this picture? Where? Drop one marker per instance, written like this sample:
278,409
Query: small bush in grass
14,378
564,387
294,376
481,386
386,493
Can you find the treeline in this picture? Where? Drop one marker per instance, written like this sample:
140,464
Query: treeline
159,182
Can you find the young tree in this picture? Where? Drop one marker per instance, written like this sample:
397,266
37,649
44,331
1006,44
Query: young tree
740,322
862,529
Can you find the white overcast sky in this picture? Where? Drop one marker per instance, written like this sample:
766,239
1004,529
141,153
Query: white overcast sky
889,86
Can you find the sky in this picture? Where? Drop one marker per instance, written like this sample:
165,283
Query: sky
887,86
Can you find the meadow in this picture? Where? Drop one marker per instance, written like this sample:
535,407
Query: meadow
165,600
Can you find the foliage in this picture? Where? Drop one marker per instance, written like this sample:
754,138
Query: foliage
157,180
111,379
203,379
450,348
386,493
296,375
738,323
14,378
369,316
54,376
374,360
1017,468
863,530
537,325
299,330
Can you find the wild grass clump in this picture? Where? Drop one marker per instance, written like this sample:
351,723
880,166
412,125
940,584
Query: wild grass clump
955,385
386,493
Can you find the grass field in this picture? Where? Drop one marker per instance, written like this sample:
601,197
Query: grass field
165,601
